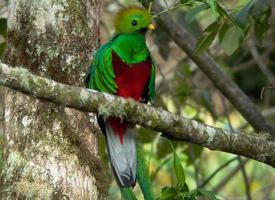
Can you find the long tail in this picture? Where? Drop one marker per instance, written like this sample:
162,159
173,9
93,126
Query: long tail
143,177
127,193
122,151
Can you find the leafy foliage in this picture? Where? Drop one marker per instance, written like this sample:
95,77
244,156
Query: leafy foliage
209,35
231,26
179,193
3,33
181,190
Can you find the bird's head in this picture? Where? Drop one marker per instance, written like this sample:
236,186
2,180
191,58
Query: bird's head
133,19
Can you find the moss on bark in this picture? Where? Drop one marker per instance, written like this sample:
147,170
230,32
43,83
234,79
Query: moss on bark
45,143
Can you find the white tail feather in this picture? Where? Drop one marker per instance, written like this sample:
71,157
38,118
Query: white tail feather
122,156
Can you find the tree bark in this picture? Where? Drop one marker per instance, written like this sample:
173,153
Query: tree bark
2,103
51,151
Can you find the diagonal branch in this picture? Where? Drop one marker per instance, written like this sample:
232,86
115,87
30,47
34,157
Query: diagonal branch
211,69
261,63
172,126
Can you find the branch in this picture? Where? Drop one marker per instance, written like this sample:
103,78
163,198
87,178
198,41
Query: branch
245,178
261,63
217,171
172,126
211,69
229,176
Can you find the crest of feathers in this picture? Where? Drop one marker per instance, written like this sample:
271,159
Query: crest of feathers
128,10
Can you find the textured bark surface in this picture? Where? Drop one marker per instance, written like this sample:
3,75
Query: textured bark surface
51,151
2,102
256,146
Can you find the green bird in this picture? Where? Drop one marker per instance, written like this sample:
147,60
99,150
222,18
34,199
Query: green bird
123,66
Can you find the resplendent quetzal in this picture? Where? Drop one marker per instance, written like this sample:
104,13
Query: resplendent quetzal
123,66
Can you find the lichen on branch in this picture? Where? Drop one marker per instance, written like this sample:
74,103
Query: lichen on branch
176,127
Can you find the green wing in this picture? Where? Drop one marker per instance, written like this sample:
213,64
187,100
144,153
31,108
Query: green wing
151,85
101,75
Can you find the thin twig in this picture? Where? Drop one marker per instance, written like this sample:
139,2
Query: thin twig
150,7
242,167
245,178
270,112
171,8
192,156
154,175
217,171
262,92
261,64
167,10
228,177
246,65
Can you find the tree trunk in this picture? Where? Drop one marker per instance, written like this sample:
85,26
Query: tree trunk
2,102
47,155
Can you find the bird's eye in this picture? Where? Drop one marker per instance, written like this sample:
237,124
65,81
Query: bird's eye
134,22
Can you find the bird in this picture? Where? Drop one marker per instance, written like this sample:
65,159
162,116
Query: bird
124,67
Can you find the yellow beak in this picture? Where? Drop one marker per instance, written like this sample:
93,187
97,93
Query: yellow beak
151,27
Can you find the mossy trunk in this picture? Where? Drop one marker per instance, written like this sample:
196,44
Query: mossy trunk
2,102
48,154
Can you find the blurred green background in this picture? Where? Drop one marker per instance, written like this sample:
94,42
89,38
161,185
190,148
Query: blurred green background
183,89
244,47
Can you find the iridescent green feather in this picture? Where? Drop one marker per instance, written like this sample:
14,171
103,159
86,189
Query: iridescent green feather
129,44
143,175
131,48
151,86
127,193
102,73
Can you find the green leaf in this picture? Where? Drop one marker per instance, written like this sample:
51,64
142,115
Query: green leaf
2,48
127,193
2,157
223,30
260,6
222,12
143,177
184,1
176,193
167,193
208,194
193,152
261,13
231,39
146,135
102,151
206,40
242,17
213,5
192,13
3,26
212,27
162,149
178,168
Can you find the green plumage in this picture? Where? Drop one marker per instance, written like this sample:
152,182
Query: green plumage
132,49
128,194
143,175
129,45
